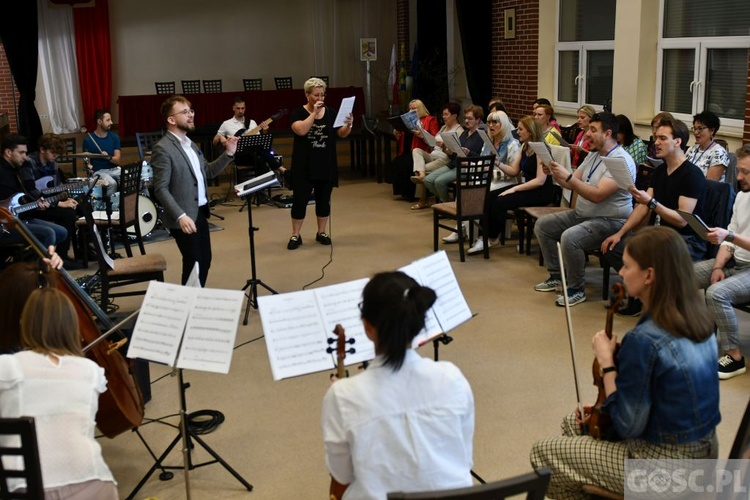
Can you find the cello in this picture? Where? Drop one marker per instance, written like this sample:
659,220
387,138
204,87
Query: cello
121,406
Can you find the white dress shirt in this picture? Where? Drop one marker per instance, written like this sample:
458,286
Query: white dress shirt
195,164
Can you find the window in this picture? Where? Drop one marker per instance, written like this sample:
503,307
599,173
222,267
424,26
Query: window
585,52
702,59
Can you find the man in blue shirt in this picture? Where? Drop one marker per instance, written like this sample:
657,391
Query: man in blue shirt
104,141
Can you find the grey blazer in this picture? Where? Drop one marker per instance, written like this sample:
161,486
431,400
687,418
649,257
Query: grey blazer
175,184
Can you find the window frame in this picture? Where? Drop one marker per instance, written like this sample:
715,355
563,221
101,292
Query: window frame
581,80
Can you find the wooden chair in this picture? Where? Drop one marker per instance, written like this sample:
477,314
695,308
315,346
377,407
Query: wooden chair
165,88
146,142
324,78
191,86
23,457
534,484
283,82
70,148
212,86
473,179
123,272
252,84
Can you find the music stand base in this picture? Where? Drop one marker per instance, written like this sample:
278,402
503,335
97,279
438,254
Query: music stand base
252,295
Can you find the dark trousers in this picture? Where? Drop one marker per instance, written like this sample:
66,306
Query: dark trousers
195,247
303,188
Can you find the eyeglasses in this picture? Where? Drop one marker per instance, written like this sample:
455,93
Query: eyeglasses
698,129
188,111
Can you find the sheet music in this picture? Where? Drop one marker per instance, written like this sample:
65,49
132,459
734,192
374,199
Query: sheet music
347,105
193,280
450,307
256,184
211,329
431,325
654,161
411,120
542,152
295,334
488,147
427,137
696,224
102,250
339,304
450,139
161,322
618,168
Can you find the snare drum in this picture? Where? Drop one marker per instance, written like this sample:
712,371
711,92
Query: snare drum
147,216
147,175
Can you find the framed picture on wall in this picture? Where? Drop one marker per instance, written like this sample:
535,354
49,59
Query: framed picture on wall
368,49
510,24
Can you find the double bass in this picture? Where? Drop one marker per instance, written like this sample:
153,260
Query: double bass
121,406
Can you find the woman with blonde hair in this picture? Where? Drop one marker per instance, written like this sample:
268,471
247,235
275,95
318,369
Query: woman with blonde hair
51,381
404,163
580,147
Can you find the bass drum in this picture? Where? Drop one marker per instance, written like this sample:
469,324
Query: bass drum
147,217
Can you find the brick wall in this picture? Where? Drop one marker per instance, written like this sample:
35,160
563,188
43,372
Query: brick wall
515,62
6,91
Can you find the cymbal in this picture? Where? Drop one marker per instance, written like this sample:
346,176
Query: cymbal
88,155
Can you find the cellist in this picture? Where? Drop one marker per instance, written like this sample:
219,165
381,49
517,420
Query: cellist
51,381
661,385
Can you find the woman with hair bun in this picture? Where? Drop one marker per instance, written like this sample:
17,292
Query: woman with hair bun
407,422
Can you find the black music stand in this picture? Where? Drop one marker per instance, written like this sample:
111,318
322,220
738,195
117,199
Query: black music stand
245,190
260,146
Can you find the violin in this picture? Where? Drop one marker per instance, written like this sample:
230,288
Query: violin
121,406
600,423
337,489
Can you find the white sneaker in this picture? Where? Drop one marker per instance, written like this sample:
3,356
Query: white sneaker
453,237
478,246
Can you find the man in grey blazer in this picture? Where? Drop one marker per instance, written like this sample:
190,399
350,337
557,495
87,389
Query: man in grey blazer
180,185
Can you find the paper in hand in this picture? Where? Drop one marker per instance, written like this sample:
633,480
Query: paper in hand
488,148
542,151
696,224
450,139
427,137
347,105
618,168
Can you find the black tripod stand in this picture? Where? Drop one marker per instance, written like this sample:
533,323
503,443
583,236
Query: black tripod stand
186,435
252,186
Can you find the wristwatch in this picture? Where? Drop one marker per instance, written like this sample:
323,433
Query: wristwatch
652,204
609,369
730,236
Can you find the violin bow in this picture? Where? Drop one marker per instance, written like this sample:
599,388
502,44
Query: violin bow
571,340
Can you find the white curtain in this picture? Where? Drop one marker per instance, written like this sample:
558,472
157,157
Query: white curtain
59,72
337,26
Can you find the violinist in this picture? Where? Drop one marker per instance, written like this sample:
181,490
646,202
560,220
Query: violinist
407,422
51,381
661,385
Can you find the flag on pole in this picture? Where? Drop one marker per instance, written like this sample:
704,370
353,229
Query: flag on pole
392,75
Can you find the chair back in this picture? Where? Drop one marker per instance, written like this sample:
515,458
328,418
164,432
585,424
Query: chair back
212,86
165,87
283,82
146,142
741,446
130,188
534,484
19,458
191,86
252,83
70,148
473,179
717,209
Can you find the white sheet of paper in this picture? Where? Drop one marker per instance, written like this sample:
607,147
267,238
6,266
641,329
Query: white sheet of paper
347,105
211,329
295,334
193,280
161,322
450,307
619,171
654,161
102,250
450,139
427,137
256,184
431,326
540,148
488,147
339,305
696,224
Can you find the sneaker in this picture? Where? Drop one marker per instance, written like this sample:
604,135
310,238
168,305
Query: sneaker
574,297
632,309
730,367
478,246
294,242
323,239
453,237
550,285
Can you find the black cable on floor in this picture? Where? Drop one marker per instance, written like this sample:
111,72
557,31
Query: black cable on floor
330,255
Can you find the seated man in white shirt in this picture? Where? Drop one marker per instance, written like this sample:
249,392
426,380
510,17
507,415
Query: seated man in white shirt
239,122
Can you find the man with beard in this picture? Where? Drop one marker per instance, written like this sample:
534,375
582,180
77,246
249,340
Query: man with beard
238,122
727,277
180,184
104,141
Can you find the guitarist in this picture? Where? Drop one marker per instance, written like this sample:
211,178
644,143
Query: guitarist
16,177
238,123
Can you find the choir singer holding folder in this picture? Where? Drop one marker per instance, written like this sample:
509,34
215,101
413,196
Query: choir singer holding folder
407,422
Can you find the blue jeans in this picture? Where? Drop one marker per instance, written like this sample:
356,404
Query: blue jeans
438,180
576,236
42,232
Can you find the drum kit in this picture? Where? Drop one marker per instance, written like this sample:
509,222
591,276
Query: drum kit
148,212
